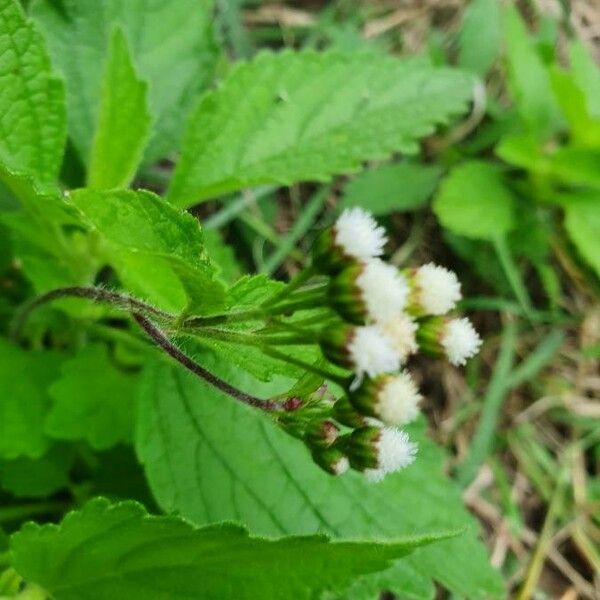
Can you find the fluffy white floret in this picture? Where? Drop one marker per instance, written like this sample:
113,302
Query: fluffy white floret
384,289
372,352
402,331
398,400
460,341
438,289
394,452
341,466
359,235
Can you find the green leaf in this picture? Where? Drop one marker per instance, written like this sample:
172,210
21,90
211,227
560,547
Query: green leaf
586,75
24,401
124,121
130,554
172,43
210,458
33,129
153,245
529,78
309,115
93,400
474,201
390,188
37,478
582,221
222,255
480,37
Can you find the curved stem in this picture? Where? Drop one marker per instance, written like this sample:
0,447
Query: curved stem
163,342
95,294
294,284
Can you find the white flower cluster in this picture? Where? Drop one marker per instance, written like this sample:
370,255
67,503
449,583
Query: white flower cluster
393,314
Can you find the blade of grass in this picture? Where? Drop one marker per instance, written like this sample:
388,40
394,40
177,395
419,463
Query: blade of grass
303,223
235,206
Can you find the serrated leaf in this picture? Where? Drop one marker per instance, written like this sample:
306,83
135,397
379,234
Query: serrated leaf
24,401
162,243
309,115
173,45
529,78
582,221
474,201
93,400
389,188
36,478
210,458
123,123
480,37
33,129
130,554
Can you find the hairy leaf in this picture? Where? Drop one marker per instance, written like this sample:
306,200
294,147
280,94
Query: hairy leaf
123,123
474,201
155,247
130,554
93,400
32,123
309,115
210,458
24,379
173,45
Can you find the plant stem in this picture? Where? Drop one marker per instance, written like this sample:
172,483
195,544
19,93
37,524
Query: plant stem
163,342
301,278
96,294
23,511
254,339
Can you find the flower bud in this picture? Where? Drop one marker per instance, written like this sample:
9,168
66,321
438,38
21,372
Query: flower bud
321,433
456,339
368,291
331,460
343,412
393,399
434,290
355,236
364,350
378,451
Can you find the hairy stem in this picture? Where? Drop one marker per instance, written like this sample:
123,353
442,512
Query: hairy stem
294,284
163,342
96,294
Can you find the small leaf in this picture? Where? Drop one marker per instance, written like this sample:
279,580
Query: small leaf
309,115
130,554
24,401
124,121
390,188
33,131
153,245
474,201
586,75
209,458
93,400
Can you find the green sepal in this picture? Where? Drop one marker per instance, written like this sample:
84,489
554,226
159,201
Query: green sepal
345,296
334,342
343,412
361,448
429,335
330,460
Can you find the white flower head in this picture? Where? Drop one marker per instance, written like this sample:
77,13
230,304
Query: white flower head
340,466
358,234
395,451
402,330
398,400
460,340
437,289
383,288
372,352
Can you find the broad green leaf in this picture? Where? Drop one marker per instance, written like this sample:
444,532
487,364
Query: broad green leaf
474,201
173,45
480,37
586,75
24,380
390,188
309,115
37,478
582,221
123,123
33,129
93,400
153,245
529,78
222,255
211,458
130,554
